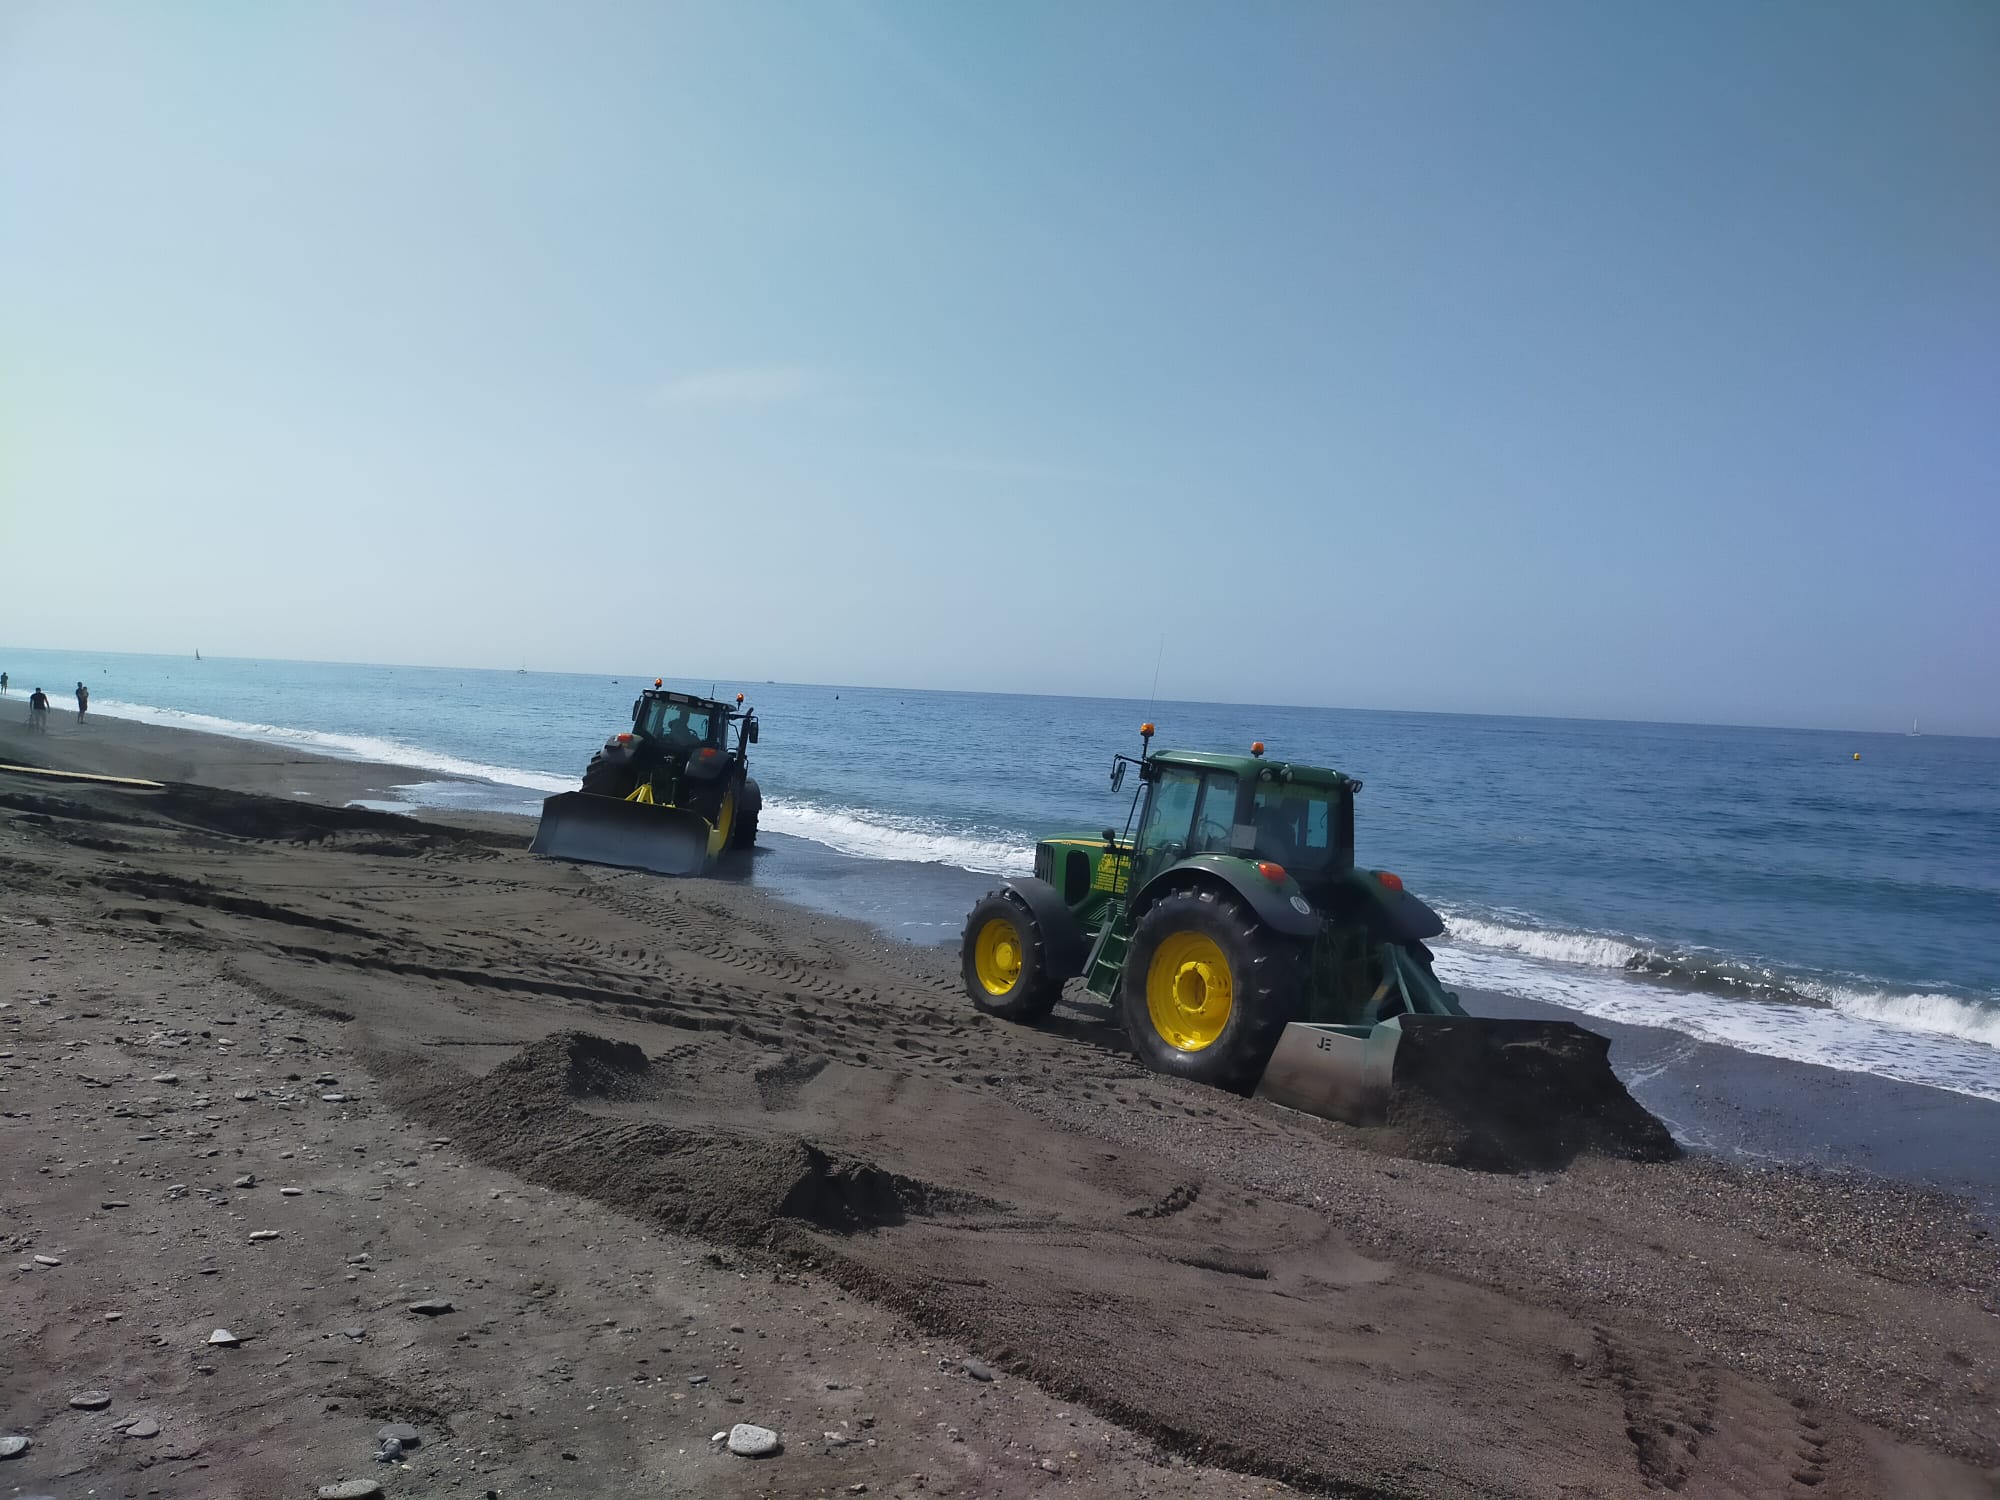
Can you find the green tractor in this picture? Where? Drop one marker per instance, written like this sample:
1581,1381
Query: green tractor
668,795
1242,947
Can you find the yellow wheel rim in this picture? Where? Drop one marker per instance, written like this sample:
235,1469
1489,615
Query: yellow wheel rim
725,819
1189,992
996,955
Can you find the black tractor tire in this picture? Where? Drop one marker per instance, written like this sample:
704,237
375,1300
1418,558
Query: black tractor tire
1035,988
609,778
1264,974
749,802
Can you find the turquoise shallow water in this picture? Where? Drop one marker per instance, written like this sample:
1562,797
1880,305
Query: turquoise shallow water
1757,888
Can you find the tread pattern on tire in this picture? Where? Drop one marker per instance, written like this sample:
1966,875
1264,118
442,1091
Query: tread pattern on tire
1264,974
1035,993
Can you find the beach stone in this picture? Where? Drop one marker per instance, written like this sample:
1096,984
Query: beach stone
166,1078
115,1203
333,1098
291,1192
224,1339
248,1179
431,1307
47,1260
746,1440
356,1333
263,1234
244,1096
14,1445
90,1401
350,1489
978,1369
400,1432
145,1427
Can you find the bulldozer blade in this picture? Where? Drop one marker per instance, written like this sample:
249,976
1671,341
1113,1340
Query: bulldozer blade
1497,1094
632,835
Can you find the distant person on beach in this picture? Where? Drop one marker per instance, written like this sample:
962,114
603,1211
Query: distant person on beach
82,702
38,710
3,682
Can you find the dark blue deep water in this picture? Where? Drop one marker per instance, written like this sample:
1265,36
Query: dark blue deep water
1755,887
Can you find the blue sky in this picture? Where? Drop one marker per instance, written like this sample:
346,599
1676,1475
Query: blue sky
1598,359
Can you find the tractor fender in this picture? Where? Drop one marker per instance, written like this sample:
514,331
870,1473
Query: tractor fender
749,797
1067,944
1389,911
1273,903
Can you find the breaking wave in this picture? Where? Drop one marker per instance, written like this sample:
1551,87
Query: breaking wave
867,834
1936,1013
335,746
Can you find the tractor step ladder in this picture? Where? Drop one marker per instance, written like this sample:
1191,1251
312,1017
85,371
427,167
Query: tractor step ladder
1107,956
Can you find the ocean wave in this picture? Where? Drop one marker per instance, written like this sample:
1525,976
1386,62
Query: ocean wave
1939,1014
1828,1035
335,746
868,834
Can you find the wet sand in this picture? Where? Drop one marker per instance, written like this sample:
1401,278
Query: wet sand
639,1131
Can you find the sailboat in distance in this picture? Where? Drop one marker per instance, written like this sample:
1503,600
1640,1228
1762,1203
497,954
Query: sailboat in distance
1913,726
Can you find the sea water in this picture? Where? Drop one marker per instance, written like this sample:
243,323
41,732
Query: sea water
1760,888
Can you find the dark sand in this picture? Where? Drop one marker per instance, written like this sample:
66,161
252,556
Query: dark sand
638,1131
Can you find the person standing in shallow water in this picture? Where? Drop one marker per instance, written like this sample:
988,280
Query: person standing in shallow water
82,702
3,682
38,710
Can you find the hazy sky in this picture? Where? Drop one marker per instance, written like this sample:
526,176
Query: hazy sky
1599,358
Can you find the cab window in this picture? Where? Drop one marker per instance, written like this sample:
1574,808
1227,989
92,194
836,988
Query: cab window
1169,817
1295,826
1218,814
675,721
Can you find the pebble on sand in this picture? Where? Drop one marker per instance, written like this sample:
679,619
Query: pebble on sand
333,1098
90,1401
145,1427
749,1441
290,1192
47,1260
166,1078
350,1489
263,1234
978,1369
248,1179
224,1339
400,1432
431,1307
14,1445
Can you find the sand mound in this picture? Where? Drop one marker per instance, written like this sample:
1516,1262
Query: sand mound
579,1065
529,1116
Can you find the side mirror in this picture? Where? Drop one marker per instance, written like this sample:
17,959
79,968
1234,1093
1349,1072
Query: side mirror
1117,774
750,731
1110,835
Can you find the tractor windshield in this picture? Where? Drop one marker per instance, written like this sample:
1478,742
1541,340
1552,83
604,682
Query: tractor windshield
1298,827
676,723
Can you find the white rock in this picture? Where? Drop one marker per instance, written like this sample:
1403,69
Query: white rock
14,1445
223,1338
350,1489
145,1427
47,1260
749,1441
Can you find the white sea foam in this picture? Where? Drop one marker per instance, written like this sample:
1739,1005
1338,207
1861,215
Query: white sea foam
868,834
1587,949
335,746
1933,1039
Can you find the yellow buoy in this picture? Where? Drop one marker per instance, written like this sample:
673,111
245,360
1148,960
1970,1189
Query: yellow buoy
1857,755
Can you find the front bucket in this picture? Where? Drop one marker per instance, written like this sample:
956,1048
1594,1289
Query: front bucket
1495,1094
631,835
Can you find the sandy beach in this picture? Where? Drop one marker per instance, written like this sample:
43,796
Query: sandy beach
573,1168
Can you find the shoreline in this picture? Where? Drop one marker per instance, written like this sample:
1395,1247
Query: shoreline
1739,1105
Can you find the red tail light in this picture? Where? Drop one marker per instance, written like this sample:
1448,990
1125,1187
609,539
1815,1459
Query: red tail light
1393,882
1273,873
624,739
